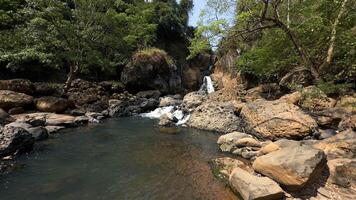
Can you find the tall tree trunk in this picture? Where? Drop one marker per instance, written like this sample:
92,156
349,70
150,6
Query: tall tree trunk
73,70
330,52
301,51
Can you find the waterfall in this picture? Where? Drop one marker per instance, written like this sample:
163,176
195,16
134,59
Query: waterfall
207,85
158,113
176,111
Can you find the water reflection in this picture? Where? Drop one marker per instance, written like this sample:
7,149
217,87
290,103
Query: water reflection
121,159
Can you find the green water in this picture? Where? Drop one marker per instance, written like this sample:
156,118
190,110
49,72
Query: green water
119,159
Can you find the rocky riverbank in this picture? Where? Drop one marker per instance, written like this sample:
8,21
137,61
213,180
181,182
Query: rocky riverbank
297,146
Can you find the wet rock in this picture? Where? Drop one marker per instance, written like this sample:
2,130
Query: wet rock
342,171
52,104
192,100
215,116
167,120
82,120
93,117
342,145
277,119
17,85
252,187
15,140
39,133
118,108
16,111
54,129
10,99
223,167
148,104
292,166
5,117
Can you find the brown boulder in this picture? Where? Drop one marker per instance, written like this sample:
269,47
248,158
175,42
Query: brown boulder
342,145
215,116
292,166
342,172
314,99
347,102
252,187
277,119
52,104
10,99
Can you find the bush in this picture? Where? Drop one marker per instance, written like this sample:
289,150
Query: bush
152,56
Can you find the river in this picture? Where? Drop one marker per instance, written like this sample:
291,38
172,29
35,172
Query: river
128,158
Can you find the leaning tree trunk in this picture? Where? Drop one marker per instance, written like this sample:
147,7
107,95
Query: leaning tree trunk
73,70
330,52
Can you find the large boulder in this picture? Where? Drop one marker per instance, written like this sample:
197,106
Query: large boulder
293,165
151,69
312,98
342,145
252,187
348,102
215,116
38,133
52,104
47,119
17,85
15,140
85,94
192,100
277,119
342,172
10,99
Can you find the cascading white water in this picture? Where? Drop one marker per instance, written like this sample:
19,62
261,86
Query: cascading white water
158,113
207,85
182,117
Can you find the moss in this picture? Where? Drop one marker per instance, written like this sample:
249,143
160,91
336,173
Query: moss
152,56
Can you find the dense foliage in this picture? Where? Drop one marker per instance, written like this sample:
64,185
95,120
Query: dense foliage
279,37
84,35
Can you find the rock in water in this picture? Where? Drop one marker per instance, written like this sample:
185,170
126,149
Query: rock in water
252,187
215,116
52,104
277,119
228,142
15,139
10,99
292,166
